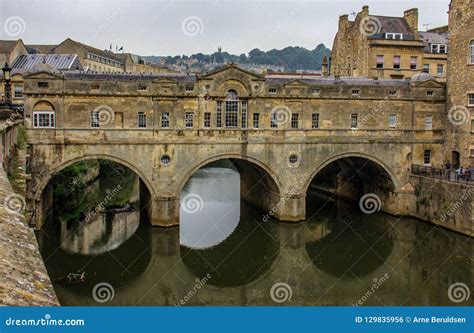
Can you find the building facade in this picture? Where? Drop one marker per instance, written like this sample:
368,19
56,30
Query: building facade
460,83
387,47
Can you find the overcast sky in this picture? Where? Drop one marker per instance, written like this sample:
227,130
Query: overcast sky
154,27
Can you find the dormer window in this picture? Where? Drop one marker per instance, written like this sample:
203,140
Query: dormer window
393,35
438,48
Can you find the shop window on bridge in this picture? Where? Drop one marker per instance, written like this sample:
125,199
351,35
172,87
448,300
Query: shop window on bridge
43,119
165,120
471,49
243,107
354,120
315,120
207,119
141,120
428,122
231,109
273,120
189,120
256,120
18,91
294,120
219,114
392,121
95,119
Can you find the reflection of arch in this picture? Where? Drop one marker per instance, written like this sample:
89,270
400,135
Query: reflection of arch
348,155
236,156
57,168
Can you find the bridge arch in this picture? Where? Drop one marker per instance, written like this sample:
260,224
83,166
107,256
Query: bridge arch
263,166
55,168
335,158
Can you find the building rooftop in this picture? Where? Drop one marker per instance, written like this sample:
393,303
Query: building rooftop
433,38
61,62
392,24
128,77
6,46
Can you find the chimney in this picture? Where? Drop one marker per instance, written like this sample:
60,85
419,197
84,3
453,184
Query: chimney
411,16
365,11
325,67
343,22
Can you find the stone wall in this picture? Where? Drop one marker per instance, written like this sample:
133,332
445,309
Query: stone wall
23,276
444,203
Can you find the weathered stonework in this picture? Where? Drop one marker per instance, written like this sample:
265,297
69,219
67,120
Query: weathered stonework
23,276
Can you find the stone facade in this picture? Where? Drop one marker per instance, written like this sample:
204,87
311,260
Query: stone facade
367,47
389,115
460,140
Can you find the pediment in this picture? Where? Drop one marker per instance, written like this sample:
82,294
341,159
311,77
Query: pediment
43,75
429,84
296,83
233,71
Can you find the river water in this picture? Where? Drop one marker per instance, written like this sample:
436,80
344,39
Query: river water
226,253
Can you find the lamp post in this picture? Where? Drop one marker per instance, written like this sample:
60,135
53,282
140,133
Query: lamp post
7,70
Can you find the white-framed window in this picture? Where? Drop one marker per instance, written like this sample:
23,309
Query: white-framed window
379,61
438,48
427,157
393,35
392,121
43,119
354,120
256,120
165,120
18,91
189,120
141,120
232,109
470,99
413,62
243,110
95,119
315,120
471,52
207,119
273,120
219,114
440,70
396,62
428,122
295,120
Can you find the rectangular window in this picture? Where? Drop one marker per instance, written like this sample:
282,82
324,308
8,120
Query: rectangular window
379,61
472,51
428,122
189,120
392,93
295,120
43,119
426,68
316,91
355,92
256,120
142,87
231,113
219,114
354,120
243,107
442,48
440,70
396,62
207,119
165,120
273,120
315,120
272,90
18,91
391,35
189,88
95,121
42,84
472,126
141,121
429,93
434,48
427,157
413,62
392,121
95,86
470,99
472,153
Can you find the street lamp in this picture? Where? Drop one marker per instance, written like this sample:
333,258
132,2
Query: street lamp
7,70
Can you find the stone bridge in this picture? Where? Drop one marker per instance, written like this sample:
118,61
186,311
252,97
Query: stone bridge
166,128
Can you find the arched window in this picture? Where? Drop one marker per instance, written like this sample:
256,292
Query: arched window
44,115
471,49
231,109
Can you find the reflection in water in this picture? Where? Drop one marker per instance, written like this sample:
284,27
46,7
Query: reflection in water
331,259
210,207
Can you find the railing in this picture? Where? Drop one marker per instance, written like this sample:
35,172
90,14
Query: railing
445,174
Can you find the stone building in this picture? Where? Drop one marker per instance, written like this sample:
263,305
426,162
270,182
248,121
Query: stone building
387,47
10,50
135,64
460,83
